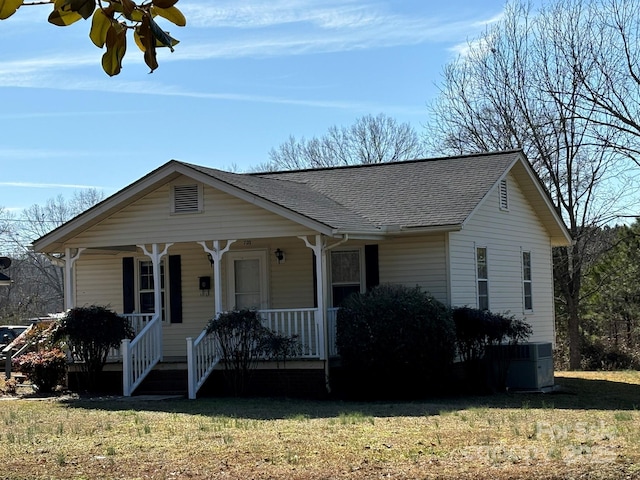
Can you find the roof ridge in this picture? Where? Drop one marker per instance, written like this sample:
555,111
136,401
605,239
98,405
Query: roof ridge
381,164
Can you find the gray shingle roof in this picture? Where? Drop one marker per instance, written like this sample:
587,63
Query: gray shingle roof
413,194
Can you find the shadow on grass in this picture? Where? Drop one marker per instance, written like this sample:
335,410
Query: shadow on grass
574,393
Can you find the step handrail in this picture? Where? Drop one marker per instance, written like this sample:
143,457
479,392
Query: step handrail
203,355
141,354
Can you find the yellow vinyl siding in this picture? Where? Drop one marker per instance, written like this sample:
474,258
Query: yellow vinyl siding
149,219
415,261
99,281
505,234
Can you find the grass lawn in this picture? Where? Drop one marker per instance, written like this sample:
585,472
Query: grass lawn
591,432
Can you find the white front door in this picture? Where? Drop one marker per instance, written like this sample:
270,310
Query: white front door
247,285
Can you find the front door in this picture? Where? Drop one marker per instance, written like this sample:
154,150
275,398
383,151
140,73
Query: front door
247,287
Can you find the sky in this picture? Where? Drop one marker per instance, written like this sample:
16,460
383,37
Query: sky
246,75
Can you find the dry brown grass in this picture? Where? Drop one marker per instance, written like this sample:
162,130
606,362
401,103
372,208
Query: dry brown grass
593,432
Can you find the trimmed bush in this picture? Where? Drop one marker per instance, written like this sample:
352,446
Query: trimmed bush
46,368
90,333
395,341
241,338
477,331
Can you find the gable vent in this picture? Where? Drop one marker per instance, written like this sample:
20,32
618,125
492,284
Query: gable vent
186,199
504,195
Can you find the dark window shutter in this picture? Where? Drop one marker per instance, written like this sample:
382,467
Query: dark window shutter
315,280
372,273
128,285
175,289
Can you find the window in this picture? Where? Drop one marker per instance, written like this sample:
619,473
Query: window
346,274
504,195
526,281
146,287
187,199
482,275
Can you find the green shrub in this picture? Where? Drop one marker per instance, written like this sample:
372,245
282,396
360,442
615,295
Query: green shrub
477,332
90,333
241,338
46,369
395,341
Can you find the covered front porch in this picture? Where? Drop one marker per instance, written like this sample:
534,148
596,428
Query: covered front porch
170,291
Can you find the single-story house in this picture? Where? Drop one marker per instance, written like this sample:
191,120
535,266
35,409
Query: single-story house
185,241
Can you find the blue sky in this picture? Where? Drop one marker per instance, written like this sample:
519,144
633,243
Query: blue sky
246,76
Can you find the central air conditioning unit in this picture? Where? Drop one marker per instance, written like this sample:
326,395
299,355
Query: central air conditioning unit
529,365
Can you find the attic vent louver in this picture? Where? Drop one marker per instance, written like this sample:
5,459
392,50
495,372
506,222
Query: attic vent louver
186,199
504,195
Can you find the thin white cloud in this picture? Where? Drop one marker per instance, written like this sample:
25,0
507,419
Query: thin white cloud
147,88
353,27
257,14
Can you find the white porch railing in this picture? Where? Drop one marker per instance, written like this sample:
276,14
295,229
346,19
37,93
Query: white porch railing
203,353
300,322
137,321
141,354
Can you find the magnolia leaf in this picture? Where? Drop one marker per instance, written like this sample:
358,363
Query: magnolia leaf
147,42
99,27
8,8
137,15
138,40
62,14
164,3
172,14
84,7
116,43
128,6
163,37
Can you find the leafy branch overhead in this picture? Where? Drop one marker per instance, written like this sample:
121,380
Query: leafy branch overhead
110,22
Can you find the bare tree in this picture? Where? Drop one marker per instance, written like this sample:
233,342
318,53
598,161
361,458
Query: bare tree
611,80
519,86
370,139
37,286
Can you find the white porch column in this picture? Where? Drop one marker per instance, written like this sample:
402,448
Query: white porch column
321,291
216,255
69,284
156,258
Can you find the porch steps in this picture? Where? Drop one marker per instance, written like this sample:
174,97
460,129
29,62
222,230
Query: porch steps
164,382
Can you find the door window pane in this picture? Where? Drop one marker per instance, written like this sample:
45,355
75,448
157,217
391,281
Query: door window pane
247,283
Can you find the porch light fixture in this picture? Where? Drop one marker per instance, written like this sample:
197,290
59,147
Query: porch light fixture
279,255
210,258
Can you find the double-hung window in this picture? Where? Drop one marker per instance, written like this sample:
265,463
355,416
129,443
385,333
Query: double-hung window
146,287
527,287
482,276
346,274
